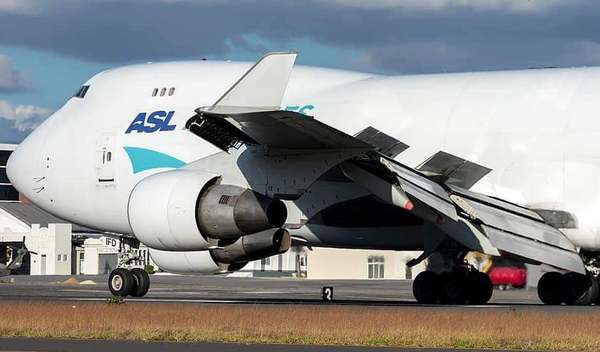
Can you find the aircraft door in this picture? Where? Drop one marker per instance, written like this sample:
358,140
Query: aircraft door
105,159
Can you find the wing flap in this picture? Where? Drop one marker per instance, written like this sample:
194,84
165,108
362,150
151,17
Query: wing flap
508,227
520,225
537,251
497,203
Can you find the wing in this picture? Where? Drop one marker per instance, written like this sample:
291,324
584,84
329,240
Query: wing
248,114
276,130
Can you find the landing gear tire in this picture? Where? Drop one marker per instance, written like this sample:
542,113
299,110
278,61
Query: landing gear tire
121,282
454,288
426,287
550,288
479,288
142,282
580,289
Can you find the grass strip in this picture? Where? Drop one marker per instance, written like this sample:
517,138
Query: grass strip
322,325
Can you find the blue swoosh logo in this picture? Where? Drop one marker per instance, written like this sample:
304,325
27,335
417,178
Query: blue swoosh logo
146,159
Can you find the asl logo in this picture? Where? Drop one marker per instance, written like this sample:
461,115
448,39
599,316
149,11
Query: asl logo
303,109
148,123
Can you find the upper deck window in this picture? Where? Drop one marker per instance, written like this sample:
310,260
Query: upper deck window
155,92
171,91
82,92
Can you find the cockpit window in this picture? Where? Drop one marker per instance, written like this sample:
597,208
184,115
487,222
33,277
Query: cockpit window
81,92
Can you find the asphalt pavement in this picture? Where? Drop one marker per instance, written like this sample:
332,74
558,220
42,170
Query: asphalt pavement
132,346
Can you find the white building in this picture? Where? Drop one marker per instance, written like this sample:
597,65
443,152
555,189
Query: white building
289,264
100,255
51,246
333,263
48,236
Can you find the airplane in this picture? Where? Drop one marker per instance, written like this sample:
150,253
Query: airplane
215,164
16,262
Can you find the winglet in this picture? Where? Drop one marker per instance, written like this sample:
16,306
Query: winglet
261,88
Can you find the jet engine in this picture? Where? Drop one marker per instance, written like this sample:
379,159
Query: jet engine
226,211
227,257
182,210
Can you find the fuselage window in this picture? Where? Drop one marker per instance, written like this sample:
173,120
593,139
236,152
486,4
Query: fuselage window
171,91
155,92
82,92
163,91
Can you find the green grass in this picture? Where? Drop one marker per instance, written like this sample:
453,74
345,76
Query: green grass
323,325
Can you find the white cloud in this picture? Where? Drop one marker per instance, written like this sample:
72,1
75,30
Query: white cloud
11,79
516,6
413,57
23,117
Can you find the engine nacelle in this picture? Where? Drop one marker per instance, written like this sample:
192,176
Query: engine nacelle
186,262
182,210
229,257
162,210
252,247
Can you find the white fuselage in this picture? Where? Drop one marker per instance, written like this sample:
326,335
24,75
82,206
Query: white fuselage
536,129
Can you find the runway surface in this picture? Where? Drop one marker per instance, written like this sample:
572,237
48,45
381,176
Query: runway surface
130,346
236,290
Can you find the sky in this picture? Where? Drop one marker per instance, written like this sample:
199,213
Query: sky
49,48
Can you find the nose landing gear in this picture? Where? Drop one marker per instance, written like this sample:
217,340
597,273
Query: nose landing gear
123,282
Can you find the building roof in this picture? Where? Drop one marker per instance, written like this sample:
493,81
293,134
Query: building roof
31,214
10,147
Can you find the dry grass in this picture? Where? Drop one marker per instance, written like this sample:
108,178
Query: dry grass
303,325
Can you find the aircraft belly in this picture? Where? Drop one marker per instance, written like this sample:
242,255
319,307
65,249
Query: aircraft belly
391,238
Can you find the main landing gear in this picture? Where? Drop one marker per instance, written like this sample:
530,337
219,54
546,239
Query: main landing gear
123,282
464,285
569,288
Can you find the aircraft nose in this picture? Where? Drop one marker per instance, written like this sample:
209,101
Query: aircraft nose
25,165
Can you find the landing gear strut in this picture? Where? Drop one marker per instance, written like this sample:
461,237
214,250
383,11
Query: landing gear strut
123,282
460,286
